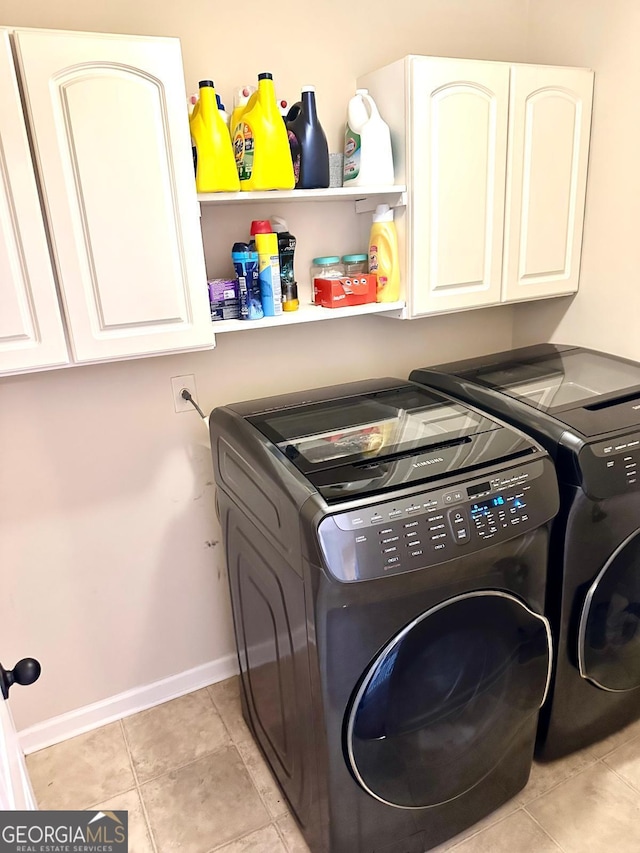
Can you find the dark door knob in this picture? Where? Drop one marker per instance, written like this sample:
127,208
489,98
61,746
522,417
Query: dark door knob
26,671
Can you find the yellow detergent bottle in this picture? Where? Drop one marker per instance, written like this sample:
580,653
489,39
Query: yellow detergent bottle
261,144
383,255
215,165
241,101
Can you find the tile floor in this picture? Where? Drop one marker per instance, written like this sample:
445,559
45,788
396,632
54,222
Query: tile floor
194,756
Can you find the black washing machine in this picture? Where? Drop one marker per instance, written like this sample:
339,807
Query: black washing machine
584,407
386,549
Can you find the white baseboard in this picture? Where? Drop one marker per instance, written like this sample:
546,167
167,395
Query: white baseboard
124,704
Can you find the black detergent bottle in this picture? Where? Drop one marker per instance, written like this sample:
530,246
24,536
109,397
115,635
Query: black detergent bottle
286,249
309,149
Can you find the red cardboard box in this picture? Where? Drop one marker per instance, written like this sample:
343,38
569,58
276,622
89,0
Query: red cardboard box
349,290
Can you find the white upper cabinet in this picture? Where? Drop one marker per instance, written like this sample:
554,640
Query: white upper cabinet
458,147
111,141
549,126
31,330
495,160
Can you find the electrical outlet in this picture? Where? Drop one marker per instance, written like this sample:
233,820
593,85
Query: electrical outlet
178,384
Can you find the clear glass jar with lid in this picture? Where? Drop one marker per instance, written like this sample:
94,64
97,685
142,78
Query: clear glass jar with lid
329,266
355,264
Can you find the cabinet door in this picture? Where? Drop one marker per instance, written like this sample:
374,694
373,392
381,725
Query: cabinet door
31,331
549,126
458,155
15,788
109,122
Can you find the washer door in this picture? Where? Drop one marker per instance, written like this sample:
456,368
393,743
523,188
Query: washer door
441,704
609,635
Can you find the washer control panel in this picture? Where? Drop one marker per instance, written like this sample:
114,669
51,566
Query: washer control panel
439,525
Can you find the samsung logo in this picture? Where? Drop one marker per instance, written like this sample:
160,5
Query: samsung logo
428,462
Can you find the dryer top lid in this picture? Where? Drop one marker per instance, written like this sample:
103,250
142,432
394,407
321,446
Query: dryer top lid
592,392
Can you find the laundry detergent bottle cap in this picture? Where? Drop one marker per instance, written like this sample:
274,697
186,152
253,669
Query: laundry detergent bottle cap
368,157
215,164
240,101
278,224
260,142
260,226
222,110
383,213
192,102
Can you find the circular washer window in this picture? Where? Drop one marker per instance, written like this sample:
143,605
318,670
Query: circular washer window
442,702
609,635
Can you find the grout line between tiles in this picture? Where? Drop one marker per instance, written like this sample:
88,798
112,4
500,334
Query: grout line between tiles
281,835
222,719
215,707
231,744
246,765
139,792
179,767
568,779
626,781
129,754
555,785
625,743
546,831
105,799
482,828
270,822
253,782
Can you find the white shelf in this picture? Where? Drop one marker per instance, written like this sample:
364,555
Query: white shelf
308,314
330,194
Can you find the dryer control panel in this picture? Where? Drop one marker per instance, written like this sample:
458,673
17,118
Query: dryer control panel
438,525
611,467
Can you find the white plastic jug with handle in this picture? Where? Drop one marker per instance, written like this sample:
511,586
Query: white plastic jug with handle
368,160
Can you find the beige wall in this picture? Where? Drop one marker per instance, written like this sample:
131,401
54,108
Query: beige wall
298,42
606,312
106,503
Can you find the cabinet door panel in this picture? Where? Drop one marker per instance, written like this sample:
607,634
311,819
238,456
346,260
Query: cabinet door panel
31,331
549,126
459,132
112,143
15,786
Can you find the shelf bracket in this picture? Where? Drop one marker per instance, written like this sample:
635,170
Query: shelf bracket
369,204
